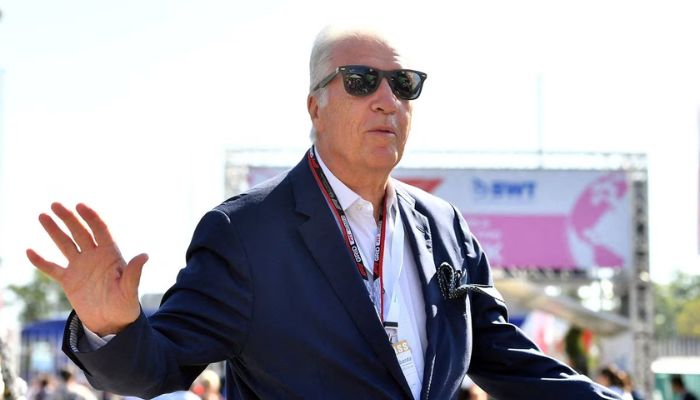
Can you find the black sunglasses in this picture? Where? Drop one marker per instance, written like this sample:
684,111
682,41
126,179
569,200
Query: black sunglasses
361,80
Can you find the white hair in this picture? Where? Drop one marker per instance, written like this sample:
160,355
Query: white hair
320,64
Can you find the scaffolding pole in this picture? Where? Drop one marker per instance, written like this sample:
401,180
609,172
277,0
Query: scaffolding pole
641,302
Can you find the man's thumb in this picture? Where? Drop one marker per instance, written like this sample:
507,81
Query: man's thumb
132,272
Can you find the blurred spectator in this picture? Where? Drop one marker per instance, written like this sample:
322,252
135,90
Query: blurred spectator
614,379
477,393
628,387
179,395
208,385
678,388
470,391
69,389
42,388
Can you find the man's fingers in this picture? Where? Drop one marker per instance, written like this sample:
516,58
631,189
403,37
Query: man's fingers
81,235
96,224
63,241
132,272
53,270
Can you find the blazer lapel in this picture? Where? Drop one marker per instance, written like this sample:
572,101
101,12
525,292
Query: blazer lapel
323,239
420,238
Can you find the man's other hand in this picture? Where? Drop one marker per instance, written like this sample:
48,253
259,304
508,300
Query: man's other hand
99,284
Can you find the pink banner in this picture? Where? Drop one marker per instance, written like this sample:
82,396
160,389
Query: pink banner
539,218
538,240
560,219
523,240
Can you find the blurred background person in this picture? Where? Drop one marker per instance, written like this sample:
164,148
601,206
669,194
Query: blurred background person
470,391
477,393
628,386
679,390
42,388
614,379
179,395
69,389
208,385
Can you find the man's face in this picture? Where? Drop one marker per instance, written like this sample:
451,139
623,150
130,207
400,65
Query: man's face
362,134
675,388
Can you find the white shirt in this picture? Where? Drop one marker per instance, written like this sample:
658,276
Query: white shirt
399,268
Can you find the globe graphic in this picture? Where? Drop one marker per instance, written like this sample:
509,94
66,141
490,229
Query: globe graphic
593,226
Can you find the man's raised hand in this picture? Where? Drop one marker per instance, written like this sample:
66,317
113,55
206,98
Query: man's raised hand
99,284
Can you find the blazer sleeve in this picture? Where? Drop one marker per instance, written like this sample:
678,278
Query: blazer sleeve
505,362
203,318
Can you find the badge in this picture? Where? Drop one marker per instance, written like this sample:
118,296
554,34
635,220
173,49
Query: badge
408,367
392,331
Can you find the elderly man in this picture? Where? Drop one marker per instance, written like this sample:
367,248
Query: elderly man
331,281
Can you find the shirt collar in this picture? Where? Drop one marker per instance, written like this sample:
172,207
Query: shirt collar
346,196
391,197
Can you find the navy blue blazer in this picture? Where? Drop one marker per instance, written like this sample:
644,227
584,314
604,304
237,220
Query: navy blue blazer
271,288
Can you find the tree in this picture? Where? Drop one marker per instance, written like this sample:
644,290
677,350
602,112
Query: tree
677,306
687,321
665,309
41,298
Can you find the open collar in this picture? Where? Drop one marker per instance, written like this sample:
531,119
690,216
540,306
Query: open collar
346,196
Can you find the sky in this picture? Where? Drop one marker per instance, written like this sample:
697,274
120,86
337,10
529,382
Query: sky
129,106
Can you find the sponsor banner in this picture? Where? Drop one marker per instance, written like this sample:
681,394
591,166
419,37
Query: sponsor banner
541,218
560,219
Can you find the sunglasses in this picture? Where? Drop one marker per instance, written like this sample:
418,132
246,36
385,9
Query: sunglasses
361,80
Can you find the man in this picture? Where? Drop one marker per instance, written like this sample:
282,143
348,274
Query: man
679,390
322,283
70,389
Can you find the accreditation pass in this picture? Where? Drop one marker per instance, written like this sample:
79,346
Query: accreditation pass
405,357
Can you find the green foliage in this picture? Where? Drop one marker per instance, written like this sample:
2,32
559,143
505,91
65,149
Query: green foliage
677,306
41,298
687,321
665,309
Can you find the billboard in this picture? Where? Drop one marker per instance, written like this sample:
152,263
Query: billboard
559,219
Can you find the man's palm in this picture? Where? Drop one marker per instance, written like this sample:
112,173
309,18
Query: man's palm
99,284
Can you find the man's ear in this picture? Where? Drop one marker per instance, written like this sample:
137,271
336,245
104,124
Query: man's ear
313,108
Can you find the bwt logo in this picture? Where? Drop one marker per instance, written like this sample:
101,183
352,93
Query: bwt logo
504,190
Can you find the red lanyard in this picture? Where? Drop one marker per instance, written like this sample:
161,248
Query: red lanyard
376,293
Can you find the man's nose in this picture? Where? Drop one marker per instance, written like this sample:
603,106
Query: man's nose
384,100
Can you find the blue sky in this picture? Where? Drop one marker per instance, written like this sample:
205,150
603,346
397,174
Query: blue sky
129,106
